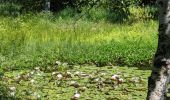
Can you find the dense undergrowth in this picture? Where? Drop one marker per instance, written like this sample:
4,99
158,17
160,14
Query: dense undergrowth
39,40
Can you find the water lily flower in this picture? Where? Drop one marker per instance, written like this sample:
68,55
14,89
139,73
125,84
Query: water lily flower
115,77
59,76
12,88
12,93
32,72
38,96
77,72
53,73
37,68
64,64
77,95
120,81
32,81
58,63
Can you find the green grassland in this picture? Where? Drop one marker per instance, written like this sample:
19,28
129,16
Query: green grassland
39,40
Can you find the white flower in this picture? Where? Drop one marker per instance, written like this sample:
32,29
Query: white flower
32,81
77,72
37,68
12,88
58,62
103,74
38,96
72,82
64,64
69,73
32,72
12,93
115,77
53,73
28,74
77,95
97,79
59,76
120,81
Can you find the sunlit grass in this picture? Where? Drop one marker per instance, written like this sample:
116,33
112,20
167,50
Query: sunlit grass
33,40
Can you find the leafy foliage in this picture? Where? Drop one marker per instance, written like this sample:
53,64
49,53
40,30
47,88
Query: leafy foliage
115,10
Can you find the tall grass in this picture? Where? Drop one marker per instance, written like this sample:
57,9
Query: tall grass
40,40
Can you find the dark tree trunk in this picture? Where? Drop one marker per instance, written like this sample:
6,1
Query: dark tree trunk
159,79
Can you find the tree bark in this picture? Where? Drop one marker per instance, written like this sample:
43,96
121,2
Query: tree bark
47,5
159,79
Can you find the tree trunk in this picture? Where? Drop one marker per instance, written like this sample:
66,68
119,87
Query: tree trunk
159,79
47,5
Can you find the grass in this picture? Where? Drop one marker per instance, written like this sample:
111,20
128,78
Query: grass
92,83
40,40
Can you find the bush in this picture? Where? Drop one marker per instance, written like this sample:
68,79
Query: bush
10,9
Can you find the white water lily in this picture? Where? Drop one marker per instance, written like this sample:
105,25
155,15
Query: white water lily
103,74
69,73
97,79
115,77
77,95
28,74
72,82
58,62
12,93
77,72
32,81
12,88
64,64
53,73
37,68
59,76
32,72
38,96
120,81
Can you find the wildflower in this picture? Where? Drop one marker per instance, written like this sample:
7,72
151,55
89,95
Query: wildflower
120,81
115,77
58,63
64,64
77,72
12,93
53,73
37,68
69,73
77,95
12,88
32,72
32,81
59,76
